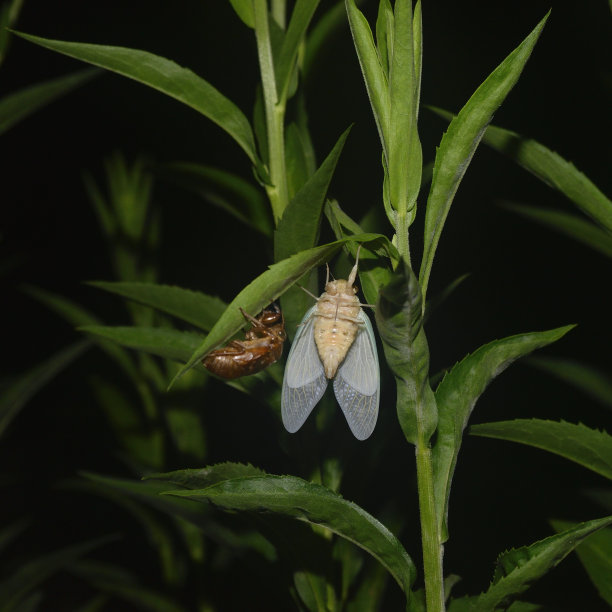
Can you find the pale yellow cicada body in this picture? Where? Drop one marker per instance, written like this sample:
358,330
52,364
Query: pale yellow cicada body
335,340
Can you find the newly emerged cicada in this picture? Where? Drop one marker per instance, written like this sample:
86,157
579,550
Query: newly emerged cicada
334,340
261,347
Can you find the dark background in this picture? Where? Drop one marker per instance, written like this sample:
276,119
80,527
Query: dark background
523,277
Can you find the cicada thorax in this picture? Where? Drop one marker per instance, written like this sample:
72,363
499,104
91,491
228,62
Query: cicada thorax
261,347
336,323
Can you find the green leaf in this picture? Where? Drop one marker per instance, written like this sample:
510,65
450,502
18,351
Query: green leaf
18,105
14,588
460,141
373,72
404,156
9,12
315,504
193,307
296,159
183,510
595,554
208,476
299,227
384,33
399,321
583,377
160,341
573,226
298,24
266,288
19,392
518,569
244,10
588,447
166,76
553,170
76,315
226,190
458,393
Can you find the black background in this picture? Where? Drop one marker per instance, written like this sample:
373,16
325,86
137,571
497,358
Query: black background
523,277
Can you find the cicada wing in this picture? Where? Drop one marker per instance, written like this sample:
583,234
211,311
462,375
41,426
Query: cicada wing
357,382
304,382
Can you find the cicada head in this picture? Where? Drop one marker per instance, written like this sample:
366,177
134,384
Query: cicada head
271,316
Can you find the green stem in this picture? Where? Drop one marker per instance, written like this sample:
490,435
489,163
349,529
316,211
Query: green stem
430,531
403,245
278,191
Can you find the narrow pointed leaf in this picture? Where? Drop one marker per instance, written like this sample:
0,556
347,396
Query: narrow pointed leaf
457,395
575,227
315,504
373,72
595,554
266,288
19,392
193,307
400,324
17,106
553,170
403,147
550,168
584,377
160,341
384,33
166,76
208,476
244,10
298,24
76,315
460,141
226,190
518,569
588,447
149,492
299,228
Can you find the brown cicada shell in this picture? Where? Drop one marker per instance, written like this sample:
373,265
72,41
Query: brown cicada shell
261,347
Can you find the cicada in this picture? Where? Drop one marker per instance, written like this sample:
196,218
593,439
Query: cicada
261,347
335,341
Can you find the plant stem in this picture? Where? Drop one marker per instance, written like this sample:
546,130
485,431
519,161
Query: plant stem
278,191
430,533
403,245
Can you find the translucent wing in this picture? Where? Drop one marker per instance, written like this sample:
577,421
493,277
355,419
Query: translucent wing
304,382
357,383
